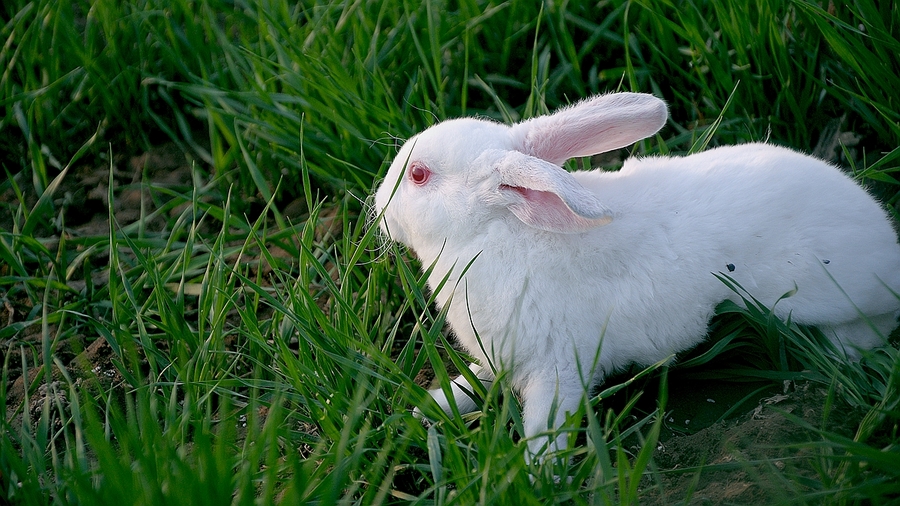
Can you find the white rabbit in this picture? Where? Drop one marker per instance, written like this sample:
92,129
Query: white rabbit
571,276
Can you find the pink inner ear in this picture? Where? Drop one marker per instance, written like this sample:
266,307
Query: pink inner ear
536,197
547,211
558,145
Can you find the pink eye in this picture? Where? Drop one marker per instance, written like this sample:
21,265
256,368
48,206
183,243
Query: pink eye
419,173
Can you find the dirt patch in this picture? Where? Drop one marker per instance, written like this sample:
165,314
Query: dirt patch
92,369
742,461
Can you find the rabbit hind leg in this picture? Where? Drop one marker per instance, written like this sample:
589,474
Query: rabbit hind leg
862,334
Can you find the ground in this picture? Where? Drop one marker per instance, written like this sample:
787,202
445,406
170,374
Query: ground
739,452
745,455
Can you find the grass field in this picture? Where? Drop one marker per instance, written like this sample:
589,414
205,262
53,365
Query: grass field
196,311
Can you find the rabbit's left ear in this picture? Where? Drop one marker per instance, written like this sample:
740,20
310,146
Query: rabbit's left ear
596,125
547,197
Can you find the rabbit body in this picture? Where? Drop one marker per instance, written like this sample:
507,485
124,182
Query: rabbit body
561,279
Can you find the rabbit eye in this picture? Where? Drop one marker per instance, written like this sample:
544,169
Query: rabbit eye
419,173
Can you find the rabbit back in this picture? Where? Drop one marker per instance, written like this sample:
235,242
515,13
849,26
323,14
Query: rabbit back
769,217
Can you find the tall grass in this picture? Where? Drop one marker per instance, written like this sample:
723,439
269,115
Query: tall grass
255,356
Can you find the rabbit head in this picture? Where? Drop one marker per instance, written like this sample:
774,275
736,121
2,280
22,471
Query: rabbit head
448,180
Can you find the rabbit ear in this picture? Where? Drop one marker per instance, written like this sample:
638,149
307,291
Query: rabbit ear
595,125
547,197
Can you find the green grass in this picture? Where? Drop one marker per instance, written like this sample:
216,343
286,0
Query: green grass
257,357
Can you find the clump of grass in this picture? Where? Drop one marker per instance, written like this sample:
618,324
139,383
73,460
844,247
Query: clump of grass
863,37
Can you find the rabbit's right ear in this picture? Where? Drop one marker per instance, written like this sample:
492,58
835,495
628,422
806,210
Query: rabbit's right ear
595,125
545,196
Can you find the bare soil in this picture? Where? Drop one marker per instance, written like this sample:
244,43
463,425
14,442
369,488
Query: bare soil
743,459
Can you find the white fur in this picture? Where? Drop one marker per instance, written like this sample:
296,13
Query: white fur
565,261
